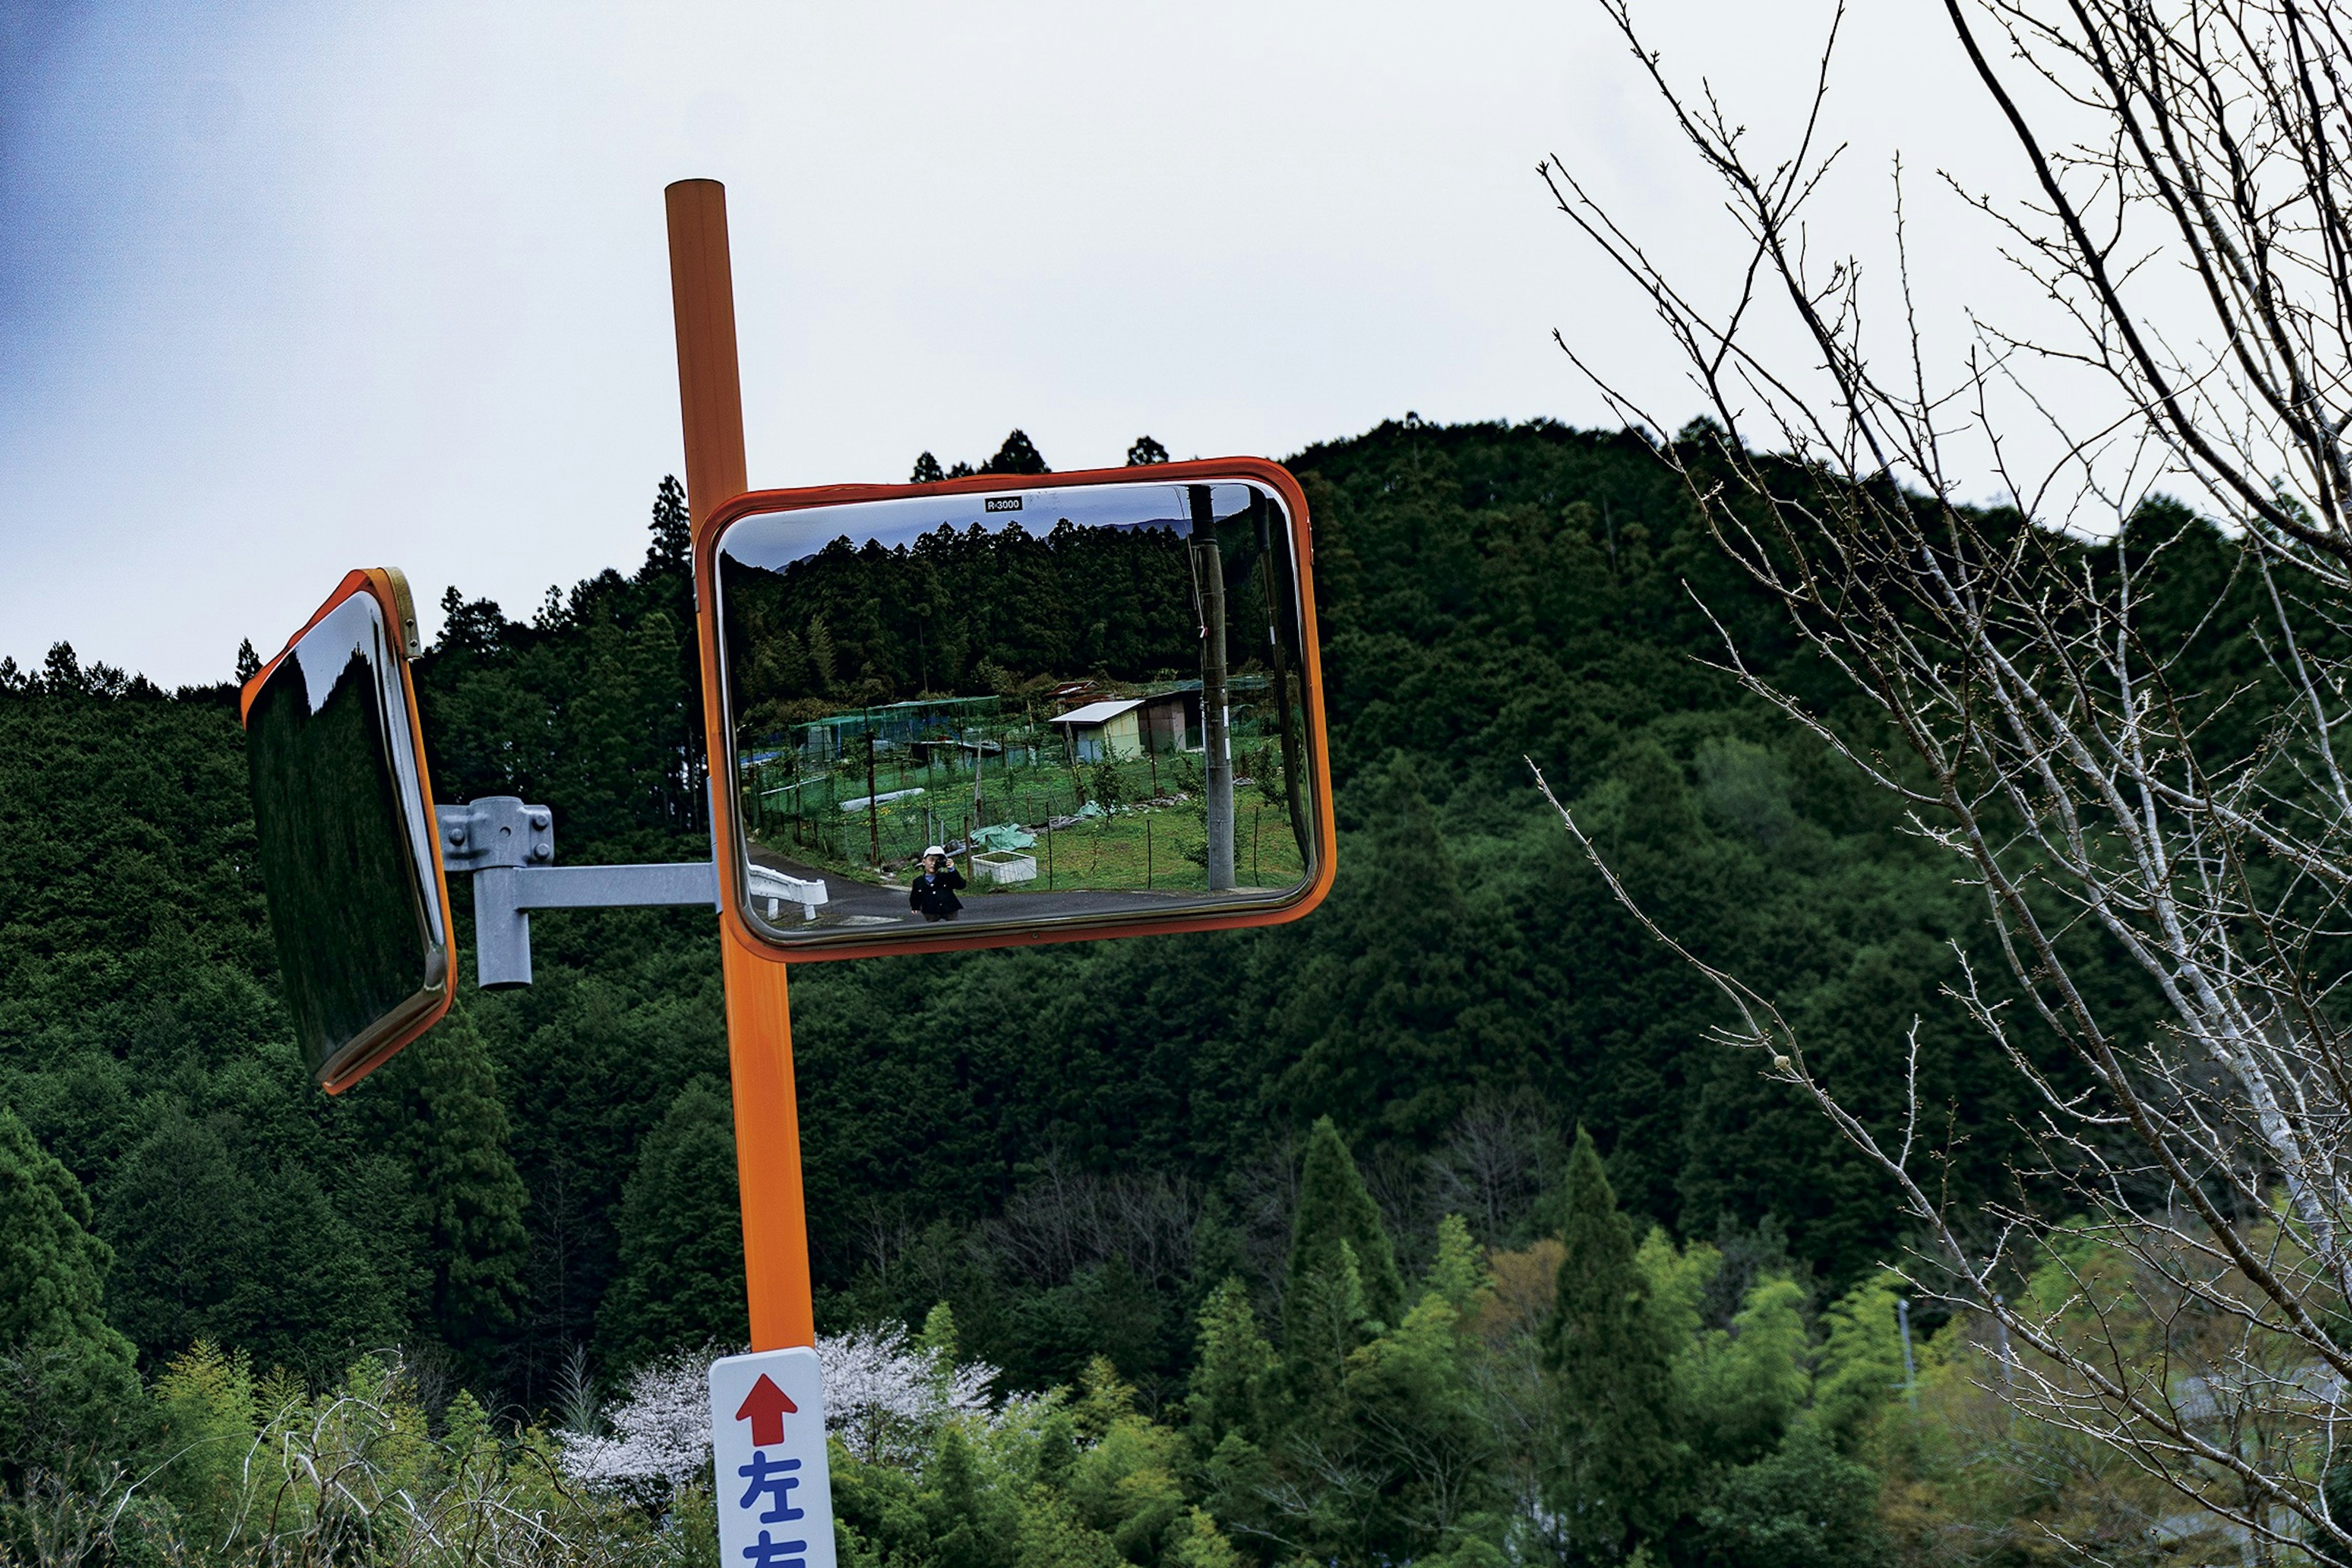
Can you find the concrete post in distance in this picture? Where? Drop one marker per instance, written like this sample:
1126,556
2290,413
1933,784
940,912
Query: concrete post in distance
1209,571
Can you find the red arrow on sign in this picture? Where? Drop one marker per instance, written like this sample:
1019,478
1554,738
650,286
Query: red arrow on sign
765,1408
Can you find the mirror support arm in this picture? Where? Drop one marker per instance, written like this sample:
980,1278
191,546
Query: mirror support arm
504,896
507,845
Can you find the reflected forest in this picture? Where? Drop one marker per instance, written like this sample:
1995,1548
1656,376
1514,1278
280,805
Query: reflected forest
356,946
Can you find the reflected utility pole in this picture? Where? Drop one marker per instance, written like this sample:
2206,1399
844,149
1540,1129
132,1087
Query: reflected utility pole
1273,550
873,806
1209,578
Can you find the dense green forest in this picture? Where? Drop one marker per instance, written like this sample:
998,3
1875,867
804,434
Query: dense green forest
1150,1172
961,613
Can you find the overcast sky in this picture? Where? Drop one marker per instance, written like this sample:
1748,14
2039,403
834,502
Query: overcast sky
288,289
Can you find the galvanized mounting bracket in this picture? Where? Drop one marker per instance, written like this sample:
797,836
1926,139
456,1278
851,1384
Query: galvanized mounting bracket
496,830
509,847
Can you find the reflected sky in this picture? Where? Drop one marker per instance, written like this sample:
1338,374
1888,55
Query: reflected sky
775,540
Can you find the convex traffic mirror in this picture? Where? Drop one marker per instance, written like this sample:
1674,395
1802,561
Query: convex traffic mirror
345,831
1066,706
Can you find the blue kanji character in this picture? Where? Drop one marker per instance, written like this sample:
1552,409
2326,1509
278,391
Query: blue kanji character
766,1554
776,1476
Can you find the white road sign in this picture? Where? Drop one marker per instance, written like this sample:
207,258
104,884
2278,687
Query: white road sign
767,1445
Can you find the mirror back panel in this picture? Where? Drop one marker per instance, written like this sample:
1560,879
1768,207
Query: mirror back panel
343,823
1019,708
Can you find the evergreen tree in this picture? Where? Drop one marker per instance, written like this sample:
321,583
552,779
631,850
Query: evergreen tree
1802,1506
465,1178
1457,1274
681,1236
311,1287
206,1402
820,654
1334,1208
1403,1009
476,626
1617,1482
1195,1542
248,663
1237,1364
67,1386
1146,452
672,550
937,1342
1343,1277
926,469
1017,455
183,1220
971,1524
61,673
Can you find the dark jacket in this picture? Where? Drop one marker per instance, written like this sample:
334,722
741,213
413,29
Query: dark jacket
933,893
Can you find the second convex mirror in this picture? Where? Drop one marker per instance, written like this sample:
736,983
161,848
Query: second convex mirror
1066,706
343,832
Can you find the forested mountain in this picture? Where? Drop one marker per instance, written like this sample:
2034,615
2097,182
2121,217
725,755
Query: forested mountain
1074,1146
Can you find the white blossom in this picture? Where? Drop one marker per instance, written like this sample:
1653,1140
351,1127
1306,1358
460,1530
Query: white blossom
661,1429
885,1398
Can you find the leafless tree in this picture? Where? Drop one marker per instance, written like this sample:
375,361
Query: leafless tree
2186,1209
1067,1218
1263,1189
1503,1151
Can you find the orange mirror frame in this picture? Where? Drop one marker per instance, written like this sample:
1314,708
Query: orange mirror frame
728,831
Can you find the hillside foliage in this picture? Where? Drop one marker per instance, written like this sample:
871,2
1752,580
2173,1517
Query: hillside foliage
1449,1174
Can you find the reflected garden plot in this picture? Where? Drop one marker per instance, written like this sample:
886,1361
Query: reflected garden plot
1035,706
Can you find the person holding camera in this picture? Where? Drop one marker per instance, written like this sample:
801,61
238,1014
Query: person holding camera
934,892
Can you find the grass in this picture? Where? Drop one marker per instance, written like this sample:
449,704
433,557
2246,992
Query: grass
1136,846
1149,848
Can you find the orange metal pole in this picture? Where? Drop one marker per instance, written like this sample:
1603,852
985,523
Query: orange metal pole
709,384
768,1150
759,1017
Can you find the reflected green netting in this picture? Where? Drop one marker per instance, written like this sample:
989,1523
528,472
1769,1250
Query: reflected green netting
970,773
1133,823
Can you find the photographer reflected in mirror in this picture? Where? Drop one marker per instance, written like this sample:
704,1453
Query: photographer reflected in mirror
933,896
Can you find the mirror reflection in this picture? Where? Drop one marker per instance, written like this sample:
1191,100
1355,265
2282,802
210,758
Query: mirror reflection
344,839
1052,705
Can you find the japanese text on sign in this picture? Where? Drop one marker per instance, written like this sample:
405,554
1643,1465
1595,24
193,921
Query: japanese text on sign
767,1445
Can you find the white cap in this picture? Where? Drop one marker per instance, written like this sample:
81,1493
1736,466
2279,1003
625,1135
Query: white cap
936,849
